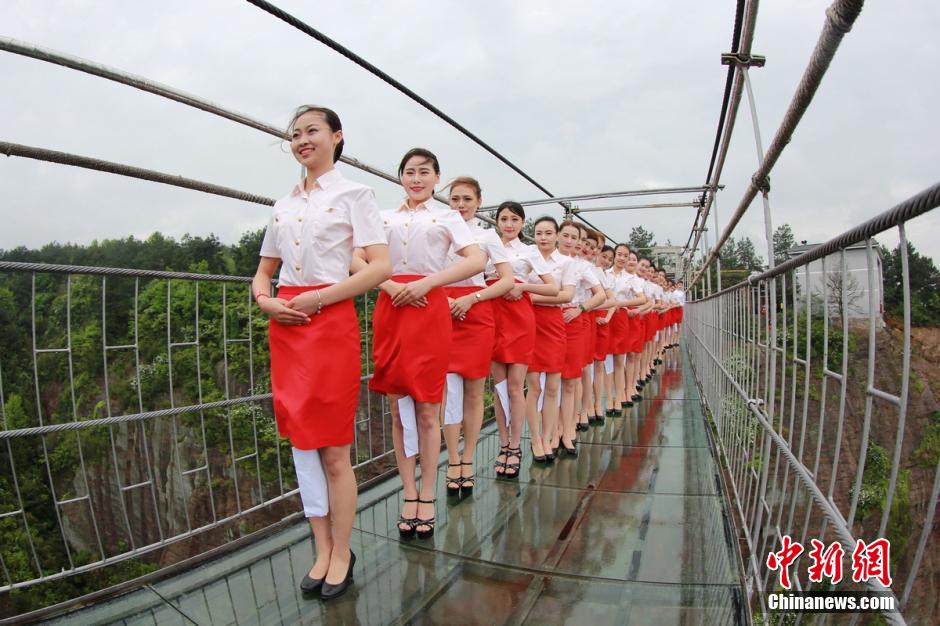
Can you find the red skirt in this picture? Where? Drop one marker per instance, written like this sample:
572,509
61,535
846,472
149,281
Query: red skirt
681,312
619,332
411,346
472,338
315,374
590,326
603,342
649,326
636,334
550,340
515,330
574,347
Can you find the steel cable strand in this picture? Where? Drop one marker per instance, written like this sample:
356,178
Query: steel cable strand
165,91
840,17
358,60
743,47
66,158
130,417
926,200
18,266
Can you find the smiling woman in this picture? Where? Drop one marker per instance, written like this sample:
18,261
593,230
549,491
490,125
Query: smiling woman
412,327
311,236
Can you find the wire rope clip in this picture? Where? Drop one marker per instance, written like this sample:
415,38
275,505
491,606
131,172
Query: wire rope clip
747,60
762,184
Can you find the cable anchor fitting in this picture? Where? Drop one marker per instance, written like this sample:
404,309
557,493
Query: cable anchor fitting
741,59
762,184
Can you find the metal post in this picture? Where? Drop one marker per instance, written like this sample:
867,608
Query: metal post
770,396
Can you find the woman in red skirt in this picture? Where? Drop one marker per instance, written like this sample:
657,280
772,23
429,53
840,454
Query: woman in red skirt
619,324
604,393
473,336
592,378
314,332
544,377
515,335
649,318
412,328
588,294
635,305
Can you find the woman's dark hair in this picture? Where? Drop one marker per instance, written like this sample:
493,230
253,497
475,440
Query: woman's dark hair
606,249
331,118
546,218
419,152
514,207
622,245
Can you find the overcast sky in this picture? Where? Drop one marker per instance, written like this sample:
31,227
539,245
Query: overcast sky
584,96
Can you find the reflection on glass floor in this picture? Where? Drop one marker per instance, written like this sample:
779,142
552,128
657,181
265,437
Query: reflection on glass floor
632,531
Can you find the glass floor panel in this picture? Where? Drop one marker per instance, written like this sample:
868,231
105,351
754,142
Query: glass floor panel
631,531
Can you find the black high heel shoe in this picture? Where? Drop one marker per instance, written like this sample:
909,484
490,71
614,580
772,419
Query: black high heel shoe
536,458
408,522
512,468
466,482
453,484
425,534
328,591
310,585
572,451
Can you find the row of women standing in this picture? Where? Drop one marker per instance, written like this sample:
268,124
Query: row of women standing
458,303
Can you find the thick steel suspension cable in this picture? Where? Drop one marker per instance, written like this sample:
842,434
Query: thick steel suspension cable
375,71
138,82
608,194
66,158
918,204
741,46
840,17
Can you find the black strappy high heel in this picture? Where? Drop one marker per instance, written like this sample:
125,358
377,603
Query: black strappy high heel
466,482
453,484
504,452
424,534
512,469
409,522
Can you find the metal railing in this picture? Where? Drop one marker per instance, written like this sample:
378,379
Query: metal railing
135,412
809,391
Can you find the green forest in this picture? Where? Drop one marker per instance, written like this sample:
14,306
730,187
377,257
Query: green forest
134,345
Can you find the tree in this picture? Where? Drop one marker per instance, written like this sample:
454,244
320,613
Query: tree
783,241
747,256
641,240
924,284
729,255
836,288
528,229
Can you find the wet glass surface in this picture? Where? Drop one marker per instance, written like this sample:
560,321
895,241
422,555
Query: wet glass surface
631,531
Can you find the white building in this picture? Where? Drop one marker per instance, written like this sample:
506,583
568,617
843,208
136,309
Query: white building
855,286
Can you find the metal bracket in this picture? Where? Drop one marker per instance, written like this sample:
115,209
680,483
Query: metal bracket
762,185
747,60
